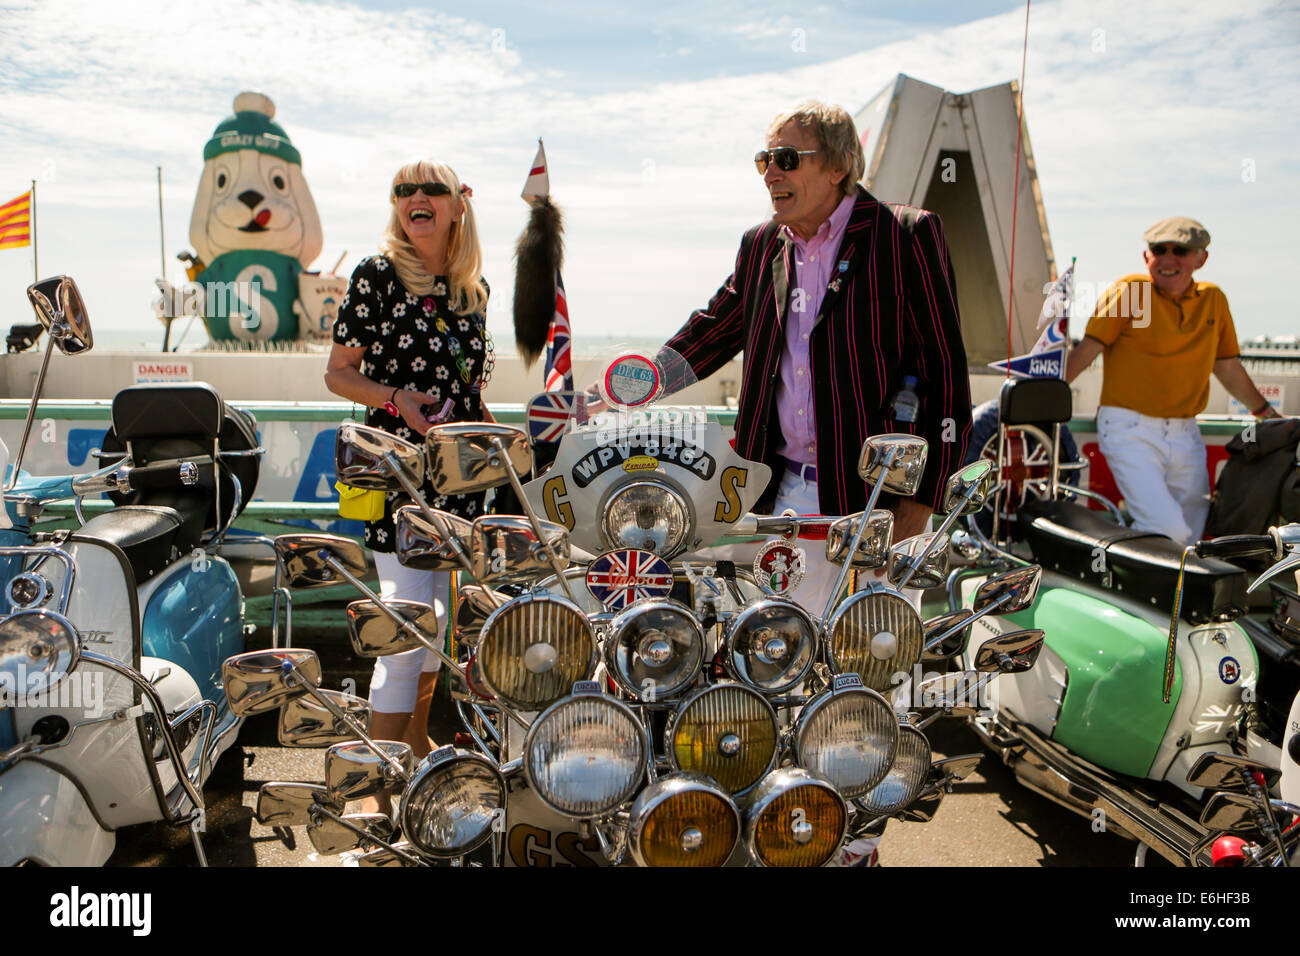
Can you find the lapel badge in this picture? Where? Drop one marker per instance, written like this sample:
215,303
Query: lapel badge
844,265
779,567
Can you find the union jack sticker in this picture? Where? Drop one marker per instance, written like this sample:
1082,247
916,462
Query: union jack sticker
549,414
617,578
779,567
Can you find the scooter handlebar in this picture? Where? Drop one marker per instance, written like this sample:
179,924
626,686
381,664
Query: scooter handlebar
1237,546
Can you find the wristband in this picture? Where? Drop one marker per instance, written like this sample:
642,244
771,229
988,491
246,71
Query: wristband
1262,409
390,406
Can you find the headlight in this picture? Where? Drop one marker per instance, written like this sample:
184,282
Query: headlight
795,818
585,756
451,803
874,634
850,737
647,515
655,650
771,645
28,590
534,648
727,732
683,820
906,778
37,650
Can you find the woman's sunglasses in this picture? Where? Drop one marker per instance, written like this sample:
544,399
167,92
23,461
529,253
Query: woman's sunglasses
1179,251
785,157
403,190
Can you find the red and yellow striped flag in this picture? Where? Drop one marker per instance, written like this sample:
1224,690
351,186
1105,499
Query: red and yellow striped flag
16,222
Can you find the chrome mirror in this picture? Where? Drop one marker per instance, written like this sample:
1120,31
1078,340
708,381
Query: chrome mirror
1012,653
874,545
976,480
38,649
462,457
385,856
302,559
505,547
476,604
305,722
954,692
1230,812
258,681
422,545
330,837
946,635
375,634
1009,591
896,462
932,570
959,767
1224,771
924,807
290,804
353,770
361,453
60,308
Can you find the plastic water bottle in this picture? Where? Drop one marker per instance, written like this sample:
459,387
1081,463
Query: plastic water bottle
907,404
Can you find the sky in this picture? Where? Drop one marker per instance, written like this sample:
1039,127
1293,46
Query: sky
651,114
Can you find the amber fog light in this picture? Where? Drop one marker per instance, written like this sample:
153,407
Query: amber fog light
794,818
683,820
534,648
727,732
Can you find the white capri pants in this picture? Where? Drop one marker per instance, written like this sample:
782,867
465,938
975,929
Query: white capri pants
394,683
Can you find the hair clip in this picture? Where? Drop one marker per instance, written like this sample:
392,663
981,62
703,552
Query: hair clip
467,191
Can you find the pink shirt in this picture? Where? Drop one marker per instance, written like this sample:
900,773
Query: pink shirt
814,265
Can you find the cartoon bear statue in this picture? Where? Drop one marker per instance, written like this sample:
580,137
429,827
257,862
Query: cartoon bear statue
255,229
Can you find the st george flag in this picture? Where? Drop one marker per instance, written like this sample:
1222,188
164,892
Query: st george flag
1047,358
16,222
558,371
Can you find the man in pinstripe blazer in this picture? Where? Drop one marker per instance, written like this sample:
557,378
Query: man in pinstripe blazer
833,301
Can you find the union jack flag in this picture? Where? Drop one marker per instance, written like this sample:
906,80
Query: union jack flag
548,415
559,363
617,578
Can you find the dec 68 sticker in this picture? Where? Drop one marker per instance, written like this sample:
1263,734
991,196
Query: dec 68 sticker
632,380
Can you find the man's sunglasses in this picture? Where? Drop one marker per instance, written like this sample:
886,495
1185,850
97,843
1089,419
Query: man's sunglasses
785,157
1179,251
403,190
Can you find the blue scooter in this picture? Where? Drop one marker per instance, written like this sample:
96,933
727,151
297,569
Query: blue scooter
112,636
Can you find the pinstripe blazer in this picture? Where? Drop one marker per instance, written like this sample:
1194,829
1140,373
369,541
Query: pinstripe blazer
893,311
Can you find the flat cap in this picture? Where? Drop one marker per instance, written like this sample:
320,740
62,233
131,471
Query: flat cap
1179,230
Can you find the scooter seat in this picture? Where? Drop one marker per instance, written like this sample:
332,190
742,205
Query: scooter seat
1068,538
149,536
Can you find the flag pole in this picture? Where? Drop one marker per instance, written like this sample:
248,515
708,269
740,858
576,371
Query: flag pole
162,260
36,267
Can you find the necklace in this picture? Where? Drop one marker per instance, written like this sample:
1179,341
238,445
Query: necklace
458,353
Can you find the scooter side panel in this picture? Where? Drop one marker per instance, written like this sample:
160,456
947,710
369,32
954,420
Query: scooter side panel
45,819
1112,714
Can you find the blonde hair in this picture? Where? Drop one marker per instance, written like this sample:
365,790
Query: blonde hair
836,135
466,293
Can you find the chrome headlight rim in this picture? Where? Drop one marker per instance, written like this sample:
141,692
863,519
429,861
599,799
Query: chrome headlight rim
774,786
912,743
675,495
735,660
428,767
908,651
52,673
664,789
803,726
488,634
634,783
624,620
29,580
690,700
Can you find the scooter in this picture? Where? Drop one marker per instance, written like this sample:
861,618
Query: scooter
113,634
1143,690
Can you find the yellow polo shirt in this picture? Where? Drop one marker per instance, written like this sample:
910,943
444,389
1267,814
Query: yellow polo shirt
1161,351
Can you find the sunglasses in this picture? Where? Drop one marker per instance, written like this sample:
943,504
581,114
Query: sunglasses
785,157
403,190
1162,248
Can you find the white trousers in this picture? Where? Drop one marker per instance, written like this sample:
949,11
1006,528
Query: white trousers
1159,466
394,683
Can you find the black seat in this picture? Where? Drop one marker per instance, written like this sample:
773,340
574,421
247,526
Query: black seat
149,535
1068,538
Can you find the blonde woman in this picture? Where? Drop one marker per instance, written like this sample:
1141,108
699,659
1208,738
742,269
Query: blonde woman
411,344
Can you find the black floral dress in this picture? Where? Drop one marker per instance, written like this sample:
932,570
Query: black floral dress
416,343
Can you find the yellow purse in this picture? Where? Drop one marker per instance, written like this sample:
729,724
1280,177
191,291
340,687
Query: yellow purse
360,504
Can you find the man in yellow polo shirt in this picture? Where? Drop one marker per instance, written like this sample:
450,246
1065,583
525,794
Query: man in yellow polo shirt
1161,335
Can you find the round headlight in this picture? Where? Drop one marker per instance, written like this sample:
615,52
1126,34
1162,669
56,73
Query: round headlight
28,590
771,645
795,818
906,777
533,649
451,803
585,756
37,650
727,732
647,515
850,737
655,650
683,820
874,634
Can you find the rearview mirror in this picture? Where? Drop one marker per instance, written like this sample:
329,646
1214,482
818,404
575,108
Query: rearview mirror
1223,772
353,770
975,479
895,461
1010,591
306,722
505,547
872,548
462,457
302,559
330,836
289,804
1231,813
260,681
375,634
1012,653
424,546
361,458
931,572
59,307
